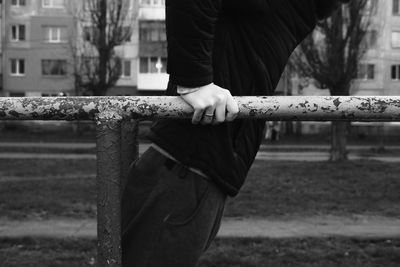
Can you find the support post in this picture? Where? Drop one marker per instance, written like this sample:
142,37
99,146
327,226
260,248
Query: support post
129,147
108,193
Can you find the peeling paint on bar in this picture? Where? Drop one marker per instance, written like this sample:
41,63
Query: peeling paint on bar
356,108
322,108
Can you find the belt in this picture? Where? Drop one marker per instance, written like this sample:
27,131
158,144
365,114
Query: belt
171,163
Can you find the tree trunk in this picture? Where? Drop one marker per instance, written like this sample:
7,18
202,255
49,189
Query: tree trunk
102,49
339,128
338,141
381,137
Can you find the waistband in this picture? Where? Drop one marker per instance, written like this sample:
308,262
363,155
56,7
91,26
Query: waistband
171,161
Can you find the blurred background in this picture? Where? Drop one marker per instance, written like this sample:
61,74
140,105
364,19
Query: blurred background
319,193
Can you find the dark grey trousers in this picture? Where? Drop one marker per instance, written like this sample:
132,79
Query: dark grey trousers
170,214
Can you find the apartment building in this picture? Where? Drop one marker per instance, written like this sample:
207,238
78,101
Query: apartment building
39,37
379,70
144,55
36,48
1,43
384,58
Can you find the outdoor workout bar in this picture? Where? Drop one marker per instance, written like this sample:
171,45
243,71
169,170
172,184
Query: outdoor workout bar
117,127
319,108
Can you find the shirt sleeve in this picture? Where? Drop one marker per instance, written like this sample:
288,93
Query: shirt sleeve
190,35
185,90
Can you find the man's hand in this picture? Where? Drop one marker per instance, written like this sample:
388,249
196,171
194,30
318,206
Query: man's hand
211,104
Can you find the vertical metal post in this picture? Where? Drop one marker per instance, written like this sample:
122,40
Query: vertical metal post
129,147
108,193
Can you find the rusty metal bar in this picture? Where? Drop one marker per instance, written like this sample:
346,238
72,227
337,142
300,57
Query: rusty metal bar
321,108
108,192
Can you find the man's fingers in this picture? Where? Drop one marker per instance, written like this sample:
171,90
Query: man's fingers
208,115
232,109
212,105
197,116
220,113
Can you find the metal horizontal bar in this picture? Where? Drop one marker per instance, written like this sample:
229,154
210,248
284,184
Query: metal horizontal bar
318,108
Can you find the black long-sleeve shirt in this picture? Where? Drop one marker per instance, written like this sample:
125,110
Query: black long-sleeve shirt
242,46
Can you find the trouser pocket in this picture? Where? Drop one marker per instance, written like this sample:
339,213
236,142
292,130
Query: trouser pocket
192,222
186,197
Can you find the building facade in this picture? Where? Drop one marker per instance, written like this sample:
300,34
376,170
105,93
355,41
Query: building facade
144,55
36,52
375,75
38,48
383,58
379,70
1,46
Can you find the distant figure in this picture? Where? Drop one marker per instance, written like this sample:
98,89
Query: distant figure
174,201
273,129
268,130
276,128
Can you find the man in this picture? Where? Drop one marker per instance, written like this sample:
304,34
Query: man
175,197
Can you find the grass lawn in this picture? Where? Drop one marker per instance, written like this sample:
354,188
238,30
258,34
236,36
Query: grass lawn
323,252
32,252
273,189
75,198
310,252
56,131
46,168
314,188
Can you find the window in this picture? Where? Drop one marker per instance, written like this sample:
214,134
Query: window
152,31
53,94
90,34
396,39
371,38
152,2
18,3
126,34
395,73
54,34
54,67
396,7
53,3
126,68
366,72
17,94
144,65
87,33
17,67
153,65
18,33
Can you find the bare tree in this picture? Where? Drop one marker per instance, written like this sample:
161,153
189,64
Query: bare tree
331,56
104,25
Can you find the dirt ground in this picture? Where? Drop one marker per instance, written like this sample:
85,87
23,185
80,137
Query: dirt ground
319,226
